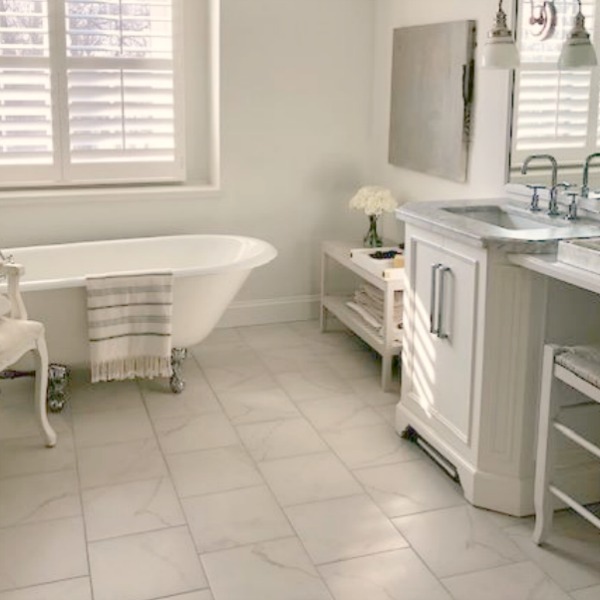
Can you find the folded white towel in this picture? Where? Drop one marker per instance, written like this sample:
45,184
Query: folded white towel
372,321
374,308
130,325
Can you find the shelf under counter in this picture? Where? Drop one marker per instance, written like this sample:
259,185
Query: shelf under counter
334,301
336,305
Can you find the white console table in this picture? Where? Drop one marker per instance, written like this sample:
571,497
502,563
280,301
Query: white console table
386,342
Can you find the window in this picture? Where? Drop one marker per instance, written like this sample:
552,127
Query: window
555,111
90,92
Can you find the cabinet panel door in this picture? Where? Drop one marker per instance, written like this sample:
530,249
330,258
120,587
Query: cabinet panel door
444,298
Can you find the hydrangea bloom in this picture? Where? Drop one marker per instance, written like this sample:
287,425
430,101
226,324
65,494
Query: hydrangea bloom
373,200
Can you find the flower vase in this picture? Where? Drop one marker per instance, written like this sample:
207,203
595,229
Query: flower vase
372,239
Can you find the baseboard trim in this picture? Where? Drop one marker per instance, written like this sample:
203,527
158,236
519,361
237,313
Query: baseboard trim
276,310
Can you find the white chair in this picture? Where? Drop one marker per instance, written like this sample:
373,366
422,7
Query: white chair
579,368
18,336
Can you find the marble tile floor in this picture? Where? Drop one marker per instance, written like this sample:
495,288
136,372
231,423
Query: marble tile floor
276,475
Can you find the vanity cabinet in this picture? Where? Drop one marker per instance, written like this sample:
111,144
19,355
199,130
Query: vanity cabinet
441,321
473,326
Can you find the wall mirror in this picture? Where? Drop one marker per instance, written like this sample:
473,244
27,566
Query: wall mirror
555,112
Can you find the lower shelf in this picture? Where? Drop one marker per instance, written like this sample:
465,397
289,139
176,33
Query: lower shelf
336,305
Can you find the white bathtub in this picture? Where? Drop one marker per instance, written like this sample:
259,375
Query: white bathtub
209,270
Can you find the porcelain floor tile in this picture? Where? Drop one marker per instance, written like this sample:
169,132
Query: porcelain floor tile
145,566
70,589
86,397
131,508
354,364
336,413
279,335
199,595
409,487
255,406
229,519
343,528
28,456
39,497
368,389
371,446
280,439
590,593
120,463
278,570
215,470
246,374
395,575
571,556
111,427
19,421
458,540
292,360
199,432
42,552
522,581
309,478
196,399
312,385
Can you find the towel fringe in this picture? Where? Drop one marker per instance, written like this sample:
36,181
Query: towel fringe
132,367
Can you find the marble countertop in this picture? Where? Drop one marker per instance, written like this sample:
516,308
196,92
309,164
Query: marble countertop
434,216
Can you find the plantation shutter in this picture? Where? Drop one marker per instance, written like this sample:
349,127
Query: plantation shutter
26,114
90,92
121,89
555,111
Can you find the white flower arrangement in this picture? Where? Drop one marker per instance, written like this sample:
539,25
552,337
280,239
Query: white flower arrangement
373,200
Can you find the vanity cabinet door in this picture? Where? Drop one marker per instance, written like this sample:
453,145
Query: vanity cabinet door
440,323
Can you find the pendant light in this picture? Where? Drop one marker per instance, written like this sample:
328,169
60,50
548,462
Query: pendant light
578,51
500,50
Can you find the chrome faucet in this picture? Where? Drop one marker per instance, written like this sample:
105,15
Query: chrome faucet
585,186
553,203
6,257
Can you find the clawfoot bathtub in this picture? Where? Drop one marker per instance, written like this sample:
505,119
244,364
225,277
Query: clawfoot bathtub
209,270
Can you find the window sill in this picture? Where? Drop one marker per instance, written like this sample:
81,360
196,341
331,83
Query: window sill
108,194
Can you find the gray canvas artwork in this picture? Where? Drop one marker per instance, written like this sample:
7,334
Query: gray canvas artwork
432,97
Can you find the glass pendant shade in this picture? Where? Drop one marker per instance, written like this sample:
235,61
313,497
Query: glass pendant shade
500,54
500,50
578,51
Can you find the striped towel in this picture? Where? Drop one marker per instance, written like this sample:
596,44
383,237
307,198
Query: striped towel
129,325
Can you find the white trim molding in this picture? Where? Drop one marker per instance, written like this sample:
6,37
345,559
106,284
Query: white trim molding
275,310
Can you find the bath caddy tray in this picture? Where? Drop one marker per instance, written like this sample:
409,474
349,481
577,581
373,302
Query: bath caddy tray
584,254
381,267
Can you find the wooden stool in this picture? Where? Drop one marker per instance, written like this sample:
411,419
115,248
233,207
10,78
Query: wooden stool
579,368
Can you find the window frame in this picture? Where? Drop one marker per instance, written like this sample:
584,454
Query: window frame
568,157
62,173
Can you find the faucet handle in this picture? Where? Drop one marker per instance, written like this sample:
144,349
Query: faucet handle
565,185
572,210
535,196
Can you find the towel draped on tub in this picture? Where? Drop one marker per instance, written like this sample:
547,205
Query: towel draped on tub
130,325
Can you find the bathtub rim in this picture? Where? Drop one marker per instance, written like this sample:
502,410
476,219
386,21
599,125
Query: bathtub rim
265,253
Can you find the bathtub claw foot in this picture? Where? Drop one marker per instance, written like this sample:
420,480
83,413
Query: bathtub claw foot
178,355
58,377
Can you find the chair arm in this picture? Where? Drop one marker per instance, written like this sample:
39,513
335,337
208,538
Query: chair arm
13,274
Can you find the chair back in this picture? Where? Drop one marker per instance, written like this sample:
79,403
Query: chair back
11,303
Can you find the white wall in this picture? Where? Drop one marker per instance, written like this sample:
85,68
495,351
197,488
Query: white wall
488,151
295,108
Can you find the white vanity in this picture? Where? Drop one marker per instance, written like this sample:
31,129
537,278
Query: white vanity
475,323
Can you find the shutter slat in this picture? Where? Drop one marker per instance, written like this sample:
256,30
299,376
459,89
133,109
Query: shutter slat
552,111
137,119
127,29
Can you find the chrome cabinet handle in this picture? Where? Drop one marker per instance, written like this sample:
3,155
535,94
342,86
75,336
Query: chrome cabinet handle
441,300
433,298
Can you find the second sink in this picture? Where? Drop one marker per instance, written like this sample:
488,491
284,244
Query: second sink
500,216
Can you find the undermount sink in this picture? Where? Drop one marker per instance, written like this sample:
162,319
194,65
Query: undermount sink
501,216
